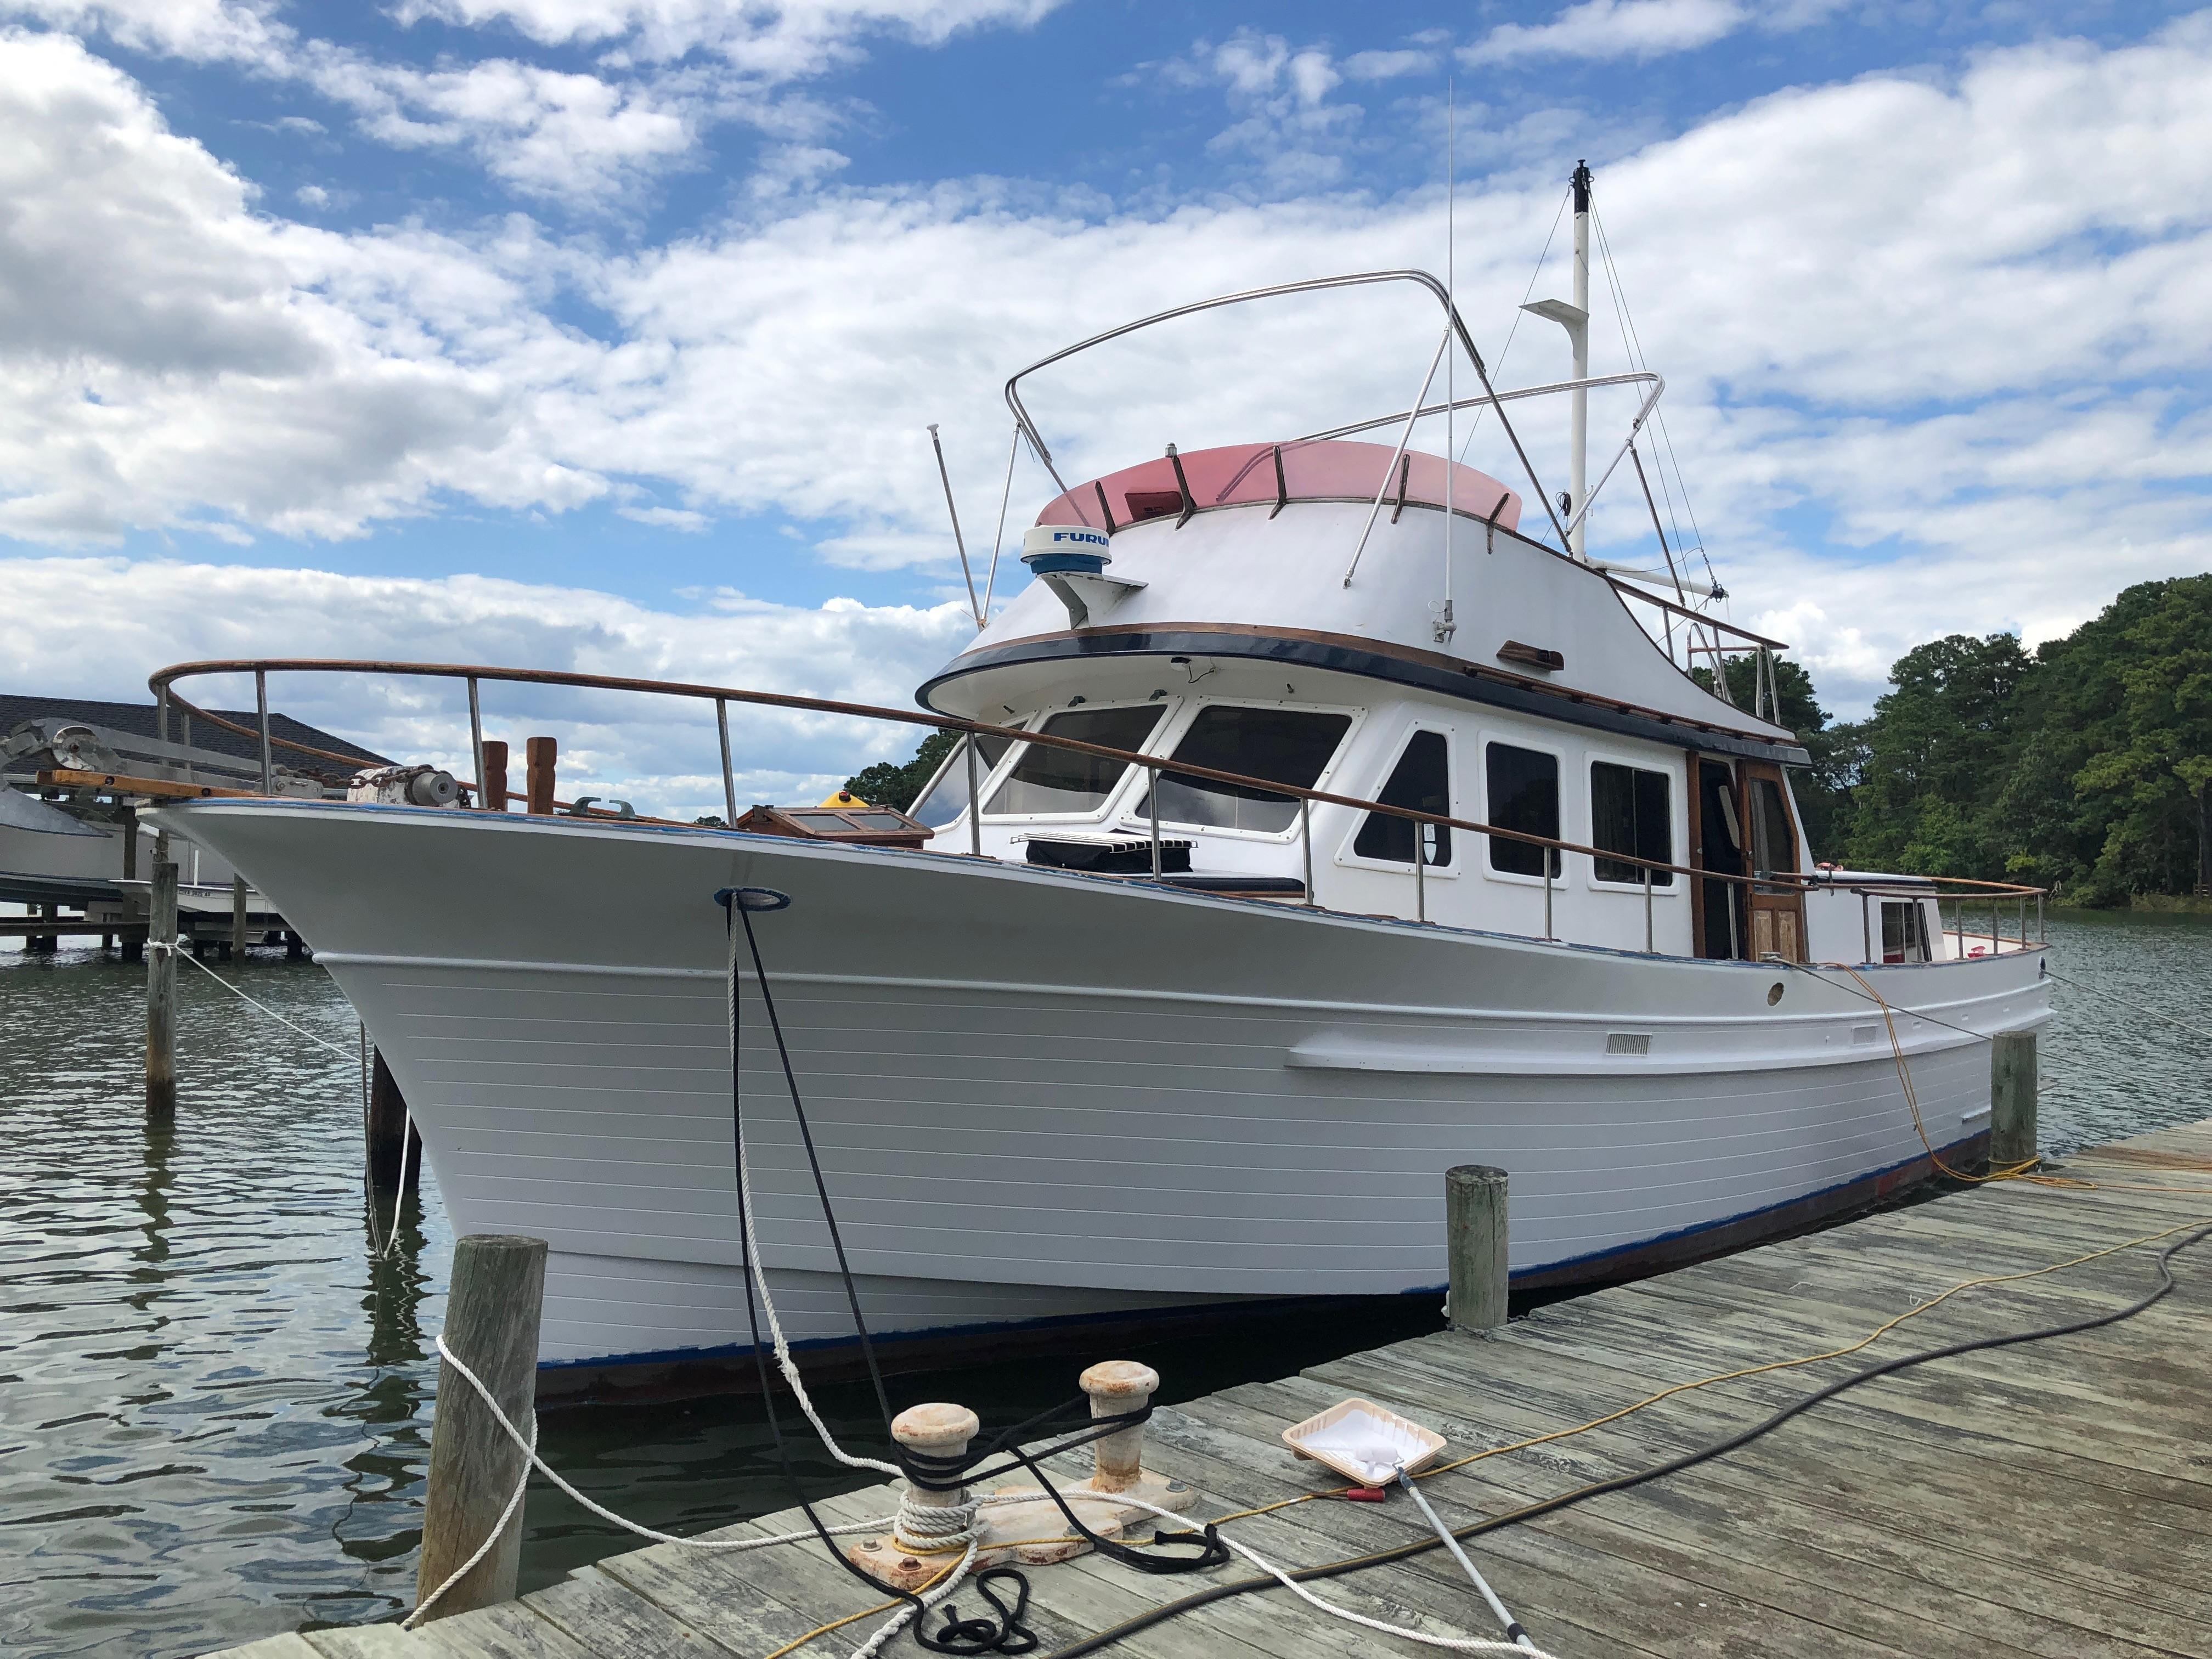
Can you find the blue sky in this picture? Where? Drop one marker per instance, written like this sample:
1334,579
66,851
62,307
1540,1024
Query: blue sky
606,331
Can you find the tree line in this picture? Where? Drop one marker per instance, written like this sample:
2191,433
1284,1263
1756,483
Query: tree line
2084,766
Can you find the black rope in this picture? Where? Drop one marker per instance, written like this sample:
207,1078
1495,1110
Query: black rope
1005,1634
1622,1483
927,1471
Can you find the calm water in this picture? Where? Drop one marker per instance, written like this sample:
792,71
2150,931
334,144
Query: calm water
215,1413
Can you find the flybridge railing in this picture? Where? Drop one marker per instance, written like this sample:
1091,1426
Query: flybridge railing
162,682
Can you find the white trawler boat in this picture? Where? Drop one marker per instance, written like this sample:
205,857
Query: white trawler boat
1127,1042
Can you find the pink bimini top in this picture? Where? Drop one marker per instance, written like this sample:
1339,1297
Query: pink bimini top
1324,470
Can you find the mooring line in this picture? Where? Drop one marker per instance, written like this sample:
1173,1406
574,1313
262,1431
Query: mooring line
2137,1007
170,945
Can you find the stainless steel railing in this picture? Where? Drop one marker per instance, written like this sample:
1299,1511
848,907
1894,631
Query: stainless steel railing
163,680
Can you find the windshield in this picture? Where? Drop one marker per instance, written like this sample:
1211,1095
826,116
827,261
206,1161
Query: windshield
946,798
1058,780
1283,746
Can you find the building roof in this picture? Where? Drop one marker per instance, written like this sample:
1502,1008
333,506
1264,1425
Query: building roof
138,718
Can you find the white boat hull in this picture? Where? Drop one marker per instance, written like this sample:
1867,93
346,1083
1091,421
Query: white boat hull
1041,1095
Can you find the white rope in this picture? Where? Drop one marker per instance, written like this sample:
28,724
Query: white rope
170,945
952,1524
899,1620
1456,1644
529,1446
784,1362
390,1248
2090,990
931,1529
506,1516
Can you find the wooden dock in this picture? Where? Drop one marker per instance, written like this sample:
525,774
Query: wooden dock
2053,1498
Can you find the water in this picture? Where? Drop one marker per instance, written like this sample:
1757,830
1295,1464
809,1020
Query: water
214,1414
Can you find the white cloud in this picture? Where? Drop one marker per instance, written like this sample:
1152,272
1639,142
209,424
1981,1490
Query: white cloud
660,752
1973,374
168,355
666,518
1278,95
207,31
775,40
1389,65
1613,28
559,133
313,196
544,132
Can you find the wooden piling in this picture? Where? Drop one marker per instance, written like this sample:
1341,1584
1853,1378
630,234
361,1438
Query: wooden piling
162,993
44,944
236,948
128,819
492,1313
540,755
387,1122
494,778
2012,1099
1474,1239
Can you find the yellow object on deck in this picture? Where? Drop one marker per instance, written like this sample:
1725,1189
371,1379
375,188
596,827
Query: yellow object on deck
844,797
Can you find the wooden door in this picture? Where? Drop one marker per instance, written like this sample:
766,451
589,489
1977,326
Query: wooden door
1716,908
1777,911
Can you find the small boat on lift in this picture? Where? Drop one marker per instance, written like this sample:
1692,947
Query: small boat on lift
1314,826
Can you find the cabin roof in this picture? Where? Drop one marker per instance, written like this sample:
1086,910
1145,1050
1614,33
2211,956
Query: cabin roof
138,718
1313,469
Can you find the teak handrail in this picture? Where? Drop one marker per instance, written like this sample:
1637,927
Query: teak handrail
160,682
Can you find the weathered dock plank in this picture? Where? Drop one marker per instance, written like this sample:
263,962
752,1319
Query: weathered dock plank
2050,1499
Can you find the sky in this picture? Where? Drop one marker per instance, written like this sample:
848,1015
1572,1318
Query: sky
605,334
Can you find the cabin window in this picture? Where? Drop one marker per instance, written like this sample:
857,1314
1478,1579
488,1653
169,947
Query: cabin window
1421,781
946,798
1631,811
1903,938
1062,781
1283,745
1524,795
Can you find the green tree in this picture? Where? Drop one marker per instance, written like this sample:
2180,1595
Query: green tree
2112,795
888,783
1943,742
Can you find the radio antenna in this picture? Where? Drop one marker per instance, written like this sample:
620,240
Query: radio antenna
1445,626
946,479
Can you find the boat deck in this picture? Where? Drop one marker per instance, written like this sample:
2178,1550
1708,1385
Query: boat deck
2053,1498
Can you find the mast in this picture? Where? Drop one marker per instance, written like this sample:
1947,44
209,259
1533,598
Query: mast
1574,317
1579,403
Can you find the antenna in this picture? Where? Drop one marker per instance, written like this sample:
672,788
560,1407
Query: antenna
1446,627
946,479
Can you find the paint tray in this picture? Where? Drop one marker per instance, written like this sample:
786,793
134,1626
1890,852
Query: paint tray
1364,1442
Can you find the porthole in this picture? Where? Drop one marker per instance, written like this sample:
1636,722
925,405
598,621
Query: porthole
1774,994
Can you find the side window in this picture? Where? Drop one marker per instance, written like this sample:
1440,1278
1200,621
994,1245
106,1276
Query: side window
1902,939
1524,795
1283,745
1063,781
1631,811
1420,781
946,798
